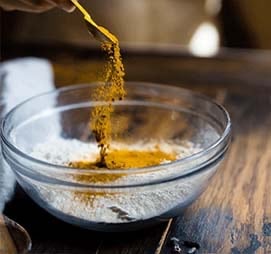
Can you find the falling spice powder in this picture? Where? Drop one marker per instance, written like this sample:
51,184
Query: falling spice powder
107,93
112,90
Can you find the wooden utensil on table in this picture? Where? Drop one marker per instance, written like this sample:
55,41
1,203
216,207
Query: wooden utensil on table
14,239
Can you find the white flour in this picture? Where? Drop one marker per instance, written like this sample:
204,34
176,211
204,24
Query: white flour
120,206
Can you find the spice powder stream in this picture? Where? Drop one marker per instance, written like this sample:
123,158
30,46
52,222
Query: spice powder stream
112,90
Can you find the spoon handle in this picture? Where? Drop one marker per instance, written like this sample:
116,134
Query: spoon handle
7,245
98,32
83,11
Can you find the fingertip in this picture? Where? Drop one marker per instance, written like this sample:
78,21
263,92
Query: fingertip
68,7
71,9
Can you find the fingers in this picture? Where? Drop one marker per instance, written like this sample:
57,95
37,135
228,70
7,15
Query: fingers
66,5
36,5
11,5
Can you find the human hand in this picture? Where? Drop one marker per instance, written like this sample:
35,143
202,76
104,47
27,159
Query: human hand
36,5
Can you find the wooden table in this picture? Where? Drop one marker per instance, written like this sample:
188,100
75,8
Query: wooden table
234,214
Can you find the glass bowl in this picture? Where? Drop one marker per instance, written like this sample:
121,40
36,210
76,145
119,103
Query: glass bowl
168,116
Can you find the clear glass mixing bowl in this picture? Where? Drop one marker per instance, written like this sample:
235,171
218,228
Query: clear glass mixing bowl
150,112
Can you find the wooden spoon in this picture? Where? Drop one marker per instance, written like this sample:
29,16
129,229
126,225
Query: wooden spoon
14,239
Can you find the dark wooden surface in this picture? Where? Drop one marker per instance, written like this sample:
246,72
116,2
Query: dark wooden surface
234,214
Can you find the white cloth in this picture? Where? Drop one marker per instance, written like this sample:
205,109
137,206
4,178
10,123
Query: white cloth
20,79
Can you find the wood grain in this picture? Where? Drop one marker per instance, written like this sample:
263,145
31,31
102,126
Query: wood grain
234,215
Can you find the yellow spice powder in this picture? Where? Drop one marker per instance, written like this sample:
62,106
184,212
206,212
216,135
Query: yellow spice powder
112,90
122,159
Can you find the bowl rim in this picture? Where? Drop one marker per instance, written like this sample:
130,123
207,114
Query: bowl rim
182,161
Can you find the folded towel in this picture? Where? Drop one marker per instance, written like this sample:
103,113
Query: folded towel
20,79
